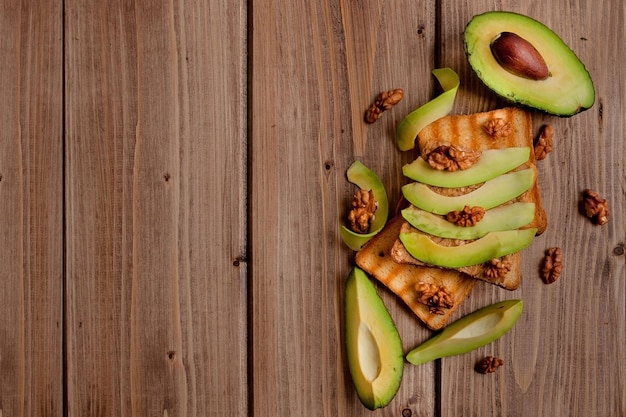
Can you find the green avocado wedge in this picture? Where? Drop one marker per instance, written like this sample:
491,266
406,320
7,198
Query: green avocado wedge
492,163
373,344
568,88
492,193
506,217
492,245
470,332
435,109
366,179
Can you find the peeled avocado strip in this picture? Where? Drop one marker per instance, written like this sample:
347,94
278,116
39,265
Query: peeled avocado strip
492,163
492,245
438,107
366,179
506,217
492,193
470,332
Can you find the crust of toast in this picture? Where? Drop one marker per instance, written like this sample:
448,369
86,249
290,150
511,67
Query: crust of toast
401,278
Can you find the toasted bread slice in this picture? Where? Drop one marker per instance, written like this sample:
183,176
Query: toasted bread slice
401,279
469,132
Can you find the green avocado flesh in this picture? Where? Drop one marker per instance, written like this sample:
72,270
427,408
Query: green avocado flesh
492,162
492,193
507,217
435,109
366,179
373,344
492,245
568,88
470,332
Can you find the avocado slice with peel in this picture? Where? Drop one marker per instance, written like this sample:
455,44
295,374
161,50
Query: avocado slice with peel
492,245
492,193
492,163
568,88
373,344
506,217
470,332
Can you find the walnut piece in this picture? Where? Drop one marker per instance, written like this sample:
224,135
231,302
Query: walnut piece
384,101
552,265
497,268
596,208
435,297
544,143
469,216
488,365
498,128
450,158
364,207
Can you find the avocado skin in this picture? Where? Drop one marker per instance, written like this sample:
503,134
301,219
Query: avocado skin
365,309
568,90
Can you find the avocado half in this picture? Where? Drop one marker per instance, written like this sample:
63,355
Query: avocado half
567,90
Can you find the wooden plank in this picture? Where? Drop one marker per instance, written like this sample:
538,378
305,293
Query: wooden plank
315,68
566,355
31,214
156,252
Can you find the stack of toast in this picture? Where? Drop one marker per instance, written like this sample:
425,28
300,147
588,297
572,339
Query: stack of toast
387,258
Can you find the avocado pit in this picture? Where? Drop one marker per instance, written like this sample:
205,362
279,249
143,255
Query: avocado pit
518,56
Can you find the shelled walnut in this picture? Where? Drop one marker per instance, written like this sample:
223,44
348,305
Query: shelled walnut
596,208
543,146
497,268
434,296
450,158
364,207
384,101
552,265
488,365
467,217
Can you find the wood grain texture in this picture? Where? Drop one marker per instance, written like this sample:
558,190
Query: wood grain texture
315,69
566,355
156,251
31,213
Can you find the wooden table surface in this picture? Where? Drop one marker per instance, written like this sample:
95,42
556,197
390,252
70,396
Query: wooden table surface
172,179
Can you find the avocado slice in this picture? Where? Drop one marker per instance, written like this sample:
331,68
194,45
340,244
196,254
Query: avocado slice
568,88
470,332
435,109
492,193
492,162
366,179
507,217
492,245
374,347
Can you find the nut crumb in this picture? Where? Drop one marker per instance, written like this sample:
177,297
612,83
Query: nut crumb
596,208
552,265
498,128
467,217
364,207
544,143
450,158
488,365
384,101
435,297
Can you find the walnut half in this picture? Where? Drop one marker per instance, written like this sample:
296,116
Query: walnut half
552,265
435,297
364,207
544,143
497,269
488,365
467,217
498,128
384,101
451,158
596,208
